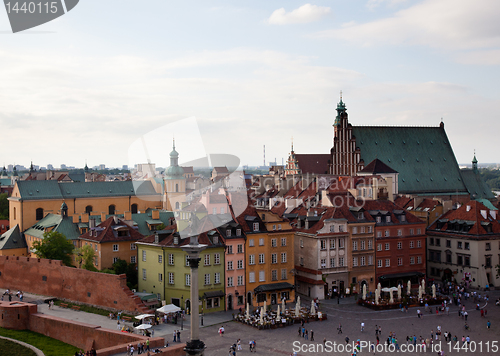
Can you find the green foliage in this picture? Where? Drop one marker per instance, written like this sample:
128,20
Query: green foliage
4,207
122,267
54,246
49,346
108,271
161,227
491,177
10,348
85,255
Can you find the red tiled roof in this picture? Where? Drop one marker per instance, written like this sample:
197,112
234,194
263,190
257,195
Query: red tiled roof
428,203
313,163
108,233
403,202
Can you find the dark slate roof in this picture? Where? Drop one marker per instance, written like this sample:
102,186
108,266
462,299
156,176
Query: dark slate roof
106,232
49,189
476,186
377,166
65,226
313,163
423,156
12,239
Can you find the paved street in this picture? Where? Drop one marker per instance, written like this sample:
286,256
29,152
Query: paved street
280,341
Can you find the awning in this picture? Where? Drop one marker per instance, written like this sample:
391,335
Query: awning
213,294
169,308
272,287
401,275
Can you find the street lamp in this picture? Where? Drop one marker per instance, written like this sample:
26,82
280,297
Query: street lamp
182,314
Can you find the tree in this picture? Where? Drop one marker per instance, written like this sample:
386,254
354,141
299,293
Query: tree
54,246
4,206
86,255
122,267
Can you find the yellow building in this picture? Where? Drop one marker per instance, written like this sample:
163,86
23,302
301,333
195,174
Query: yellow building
31,201
269,257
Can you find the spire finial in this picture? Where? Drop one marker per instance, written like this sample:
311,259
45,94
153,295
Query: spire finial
341,95
292,143
173,140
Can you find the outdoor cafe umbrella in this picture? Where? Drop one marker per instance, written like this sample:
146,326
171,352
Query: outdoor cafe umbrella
313,309
419,292
261,316
297,308
399,291
144,316
391,300
433,290
169,308
364,291
278,312
143,327
283,304
248,312
409,288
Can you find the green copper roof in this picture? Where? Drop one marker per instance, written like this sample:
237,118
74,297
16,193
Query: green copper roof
12,239
50,189
423,156
65,226
476,186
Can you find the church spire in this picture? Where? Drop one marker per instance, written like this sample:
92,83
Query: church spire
340,110
474,163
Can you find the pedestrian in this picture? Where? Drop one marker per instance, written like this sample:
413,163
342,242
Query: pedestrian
250,345
362,326
380,330
378,340
376,330
254,344
312,335
465,315
488,325
324,342
175,336
340,329
178,336
306,337
418,313
238,343
300,330
482,313
147,345
347,339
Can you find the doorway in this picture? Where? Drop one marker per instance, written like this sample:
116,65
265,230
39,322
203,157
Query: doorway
274,298
249,298
229,302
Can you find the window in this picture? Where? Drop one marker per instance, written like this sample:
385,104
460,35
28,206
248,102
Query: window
207,259
387,246
133,247
467,260
323,244
370,260
467,246
144,274
388,218
274,227
274,275
240,248
238,232
341,243
115,259
229,265
419,243
115,247
251,243
379,233
419,259
341,261
379,247
387,262
341,228
387,233
354,230
279,226
369,229
283,241
222,210
207,278
332,228
301,242
332,262
459,244
229,249
402,218
283,273
133,259
88,209
240,264
362,245
261,258
362,261
251,259
438,242
230,282
379,263
214,211
261,242
354,245
431,241
400,232
400,245
217,278
448,243
251,277
255,226
412,244
187,277
460,260
379,219
274,258
448,257
240,280
362,230
217,258
355,262
134,208
301,261
170,277
411,232
283,257
111,210
143,255
160,277
323,263
187,260
274,243
488,246
332,244
262,276
400,261
370,244
39,214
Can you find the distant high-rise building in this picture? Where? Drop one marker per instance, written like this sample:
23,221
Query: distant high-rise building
102,167
125,167
10,167
63,166
50,167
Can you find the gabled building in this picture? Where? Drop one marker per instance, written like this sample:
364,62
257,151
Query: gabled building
464,246
12,243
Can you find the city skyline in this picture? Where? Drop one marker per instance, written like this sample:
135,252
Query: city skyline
85,86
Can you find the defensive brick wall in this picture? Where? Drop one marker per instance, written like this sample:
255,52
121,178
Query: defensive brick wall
51,278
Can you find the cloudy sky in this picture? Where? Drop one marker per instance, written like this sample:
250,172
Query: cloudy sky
89,84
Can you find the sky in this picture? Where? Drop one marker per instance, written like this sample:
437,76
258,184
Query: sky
88,86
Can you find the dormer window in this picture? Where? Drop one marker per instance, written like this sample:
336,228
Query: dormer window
216,239
402,218
255,226
228,233
360,215
238,232
379,219
388,218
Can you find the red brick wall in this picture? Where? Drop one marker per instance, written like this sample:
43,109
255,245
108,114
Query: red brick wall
51,278
15,315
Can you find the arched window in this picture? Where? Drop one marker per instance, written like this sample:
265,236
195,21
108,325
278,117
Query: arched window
88,209
111,210
134,208
177,205
39,213
177,188
14,213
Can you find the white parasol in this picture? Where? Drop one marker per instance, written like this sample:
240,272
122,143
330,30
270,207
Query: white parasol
433,290
399,291
278,312
143,327
419,292
377,296
408,291
391,299
364,291
248,312
261,316
283,304
144,316
313,309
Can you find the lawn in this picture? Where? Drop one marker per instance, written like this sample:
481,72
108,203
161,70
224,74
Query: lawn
49,346
10,348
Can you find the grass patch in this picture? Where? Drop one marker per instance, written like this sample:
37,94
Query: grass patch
10,348
49,346
88,309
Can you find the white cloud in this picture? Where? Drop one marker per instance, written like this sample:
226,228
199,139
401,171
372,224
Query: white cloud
304,14
448,24
372,4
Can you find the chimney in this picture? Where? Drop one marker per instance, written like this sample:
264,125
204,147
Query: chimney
156,214
103,217
157,238
298,222
306,224
85,218
76,219
127,215
91,223
115,218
